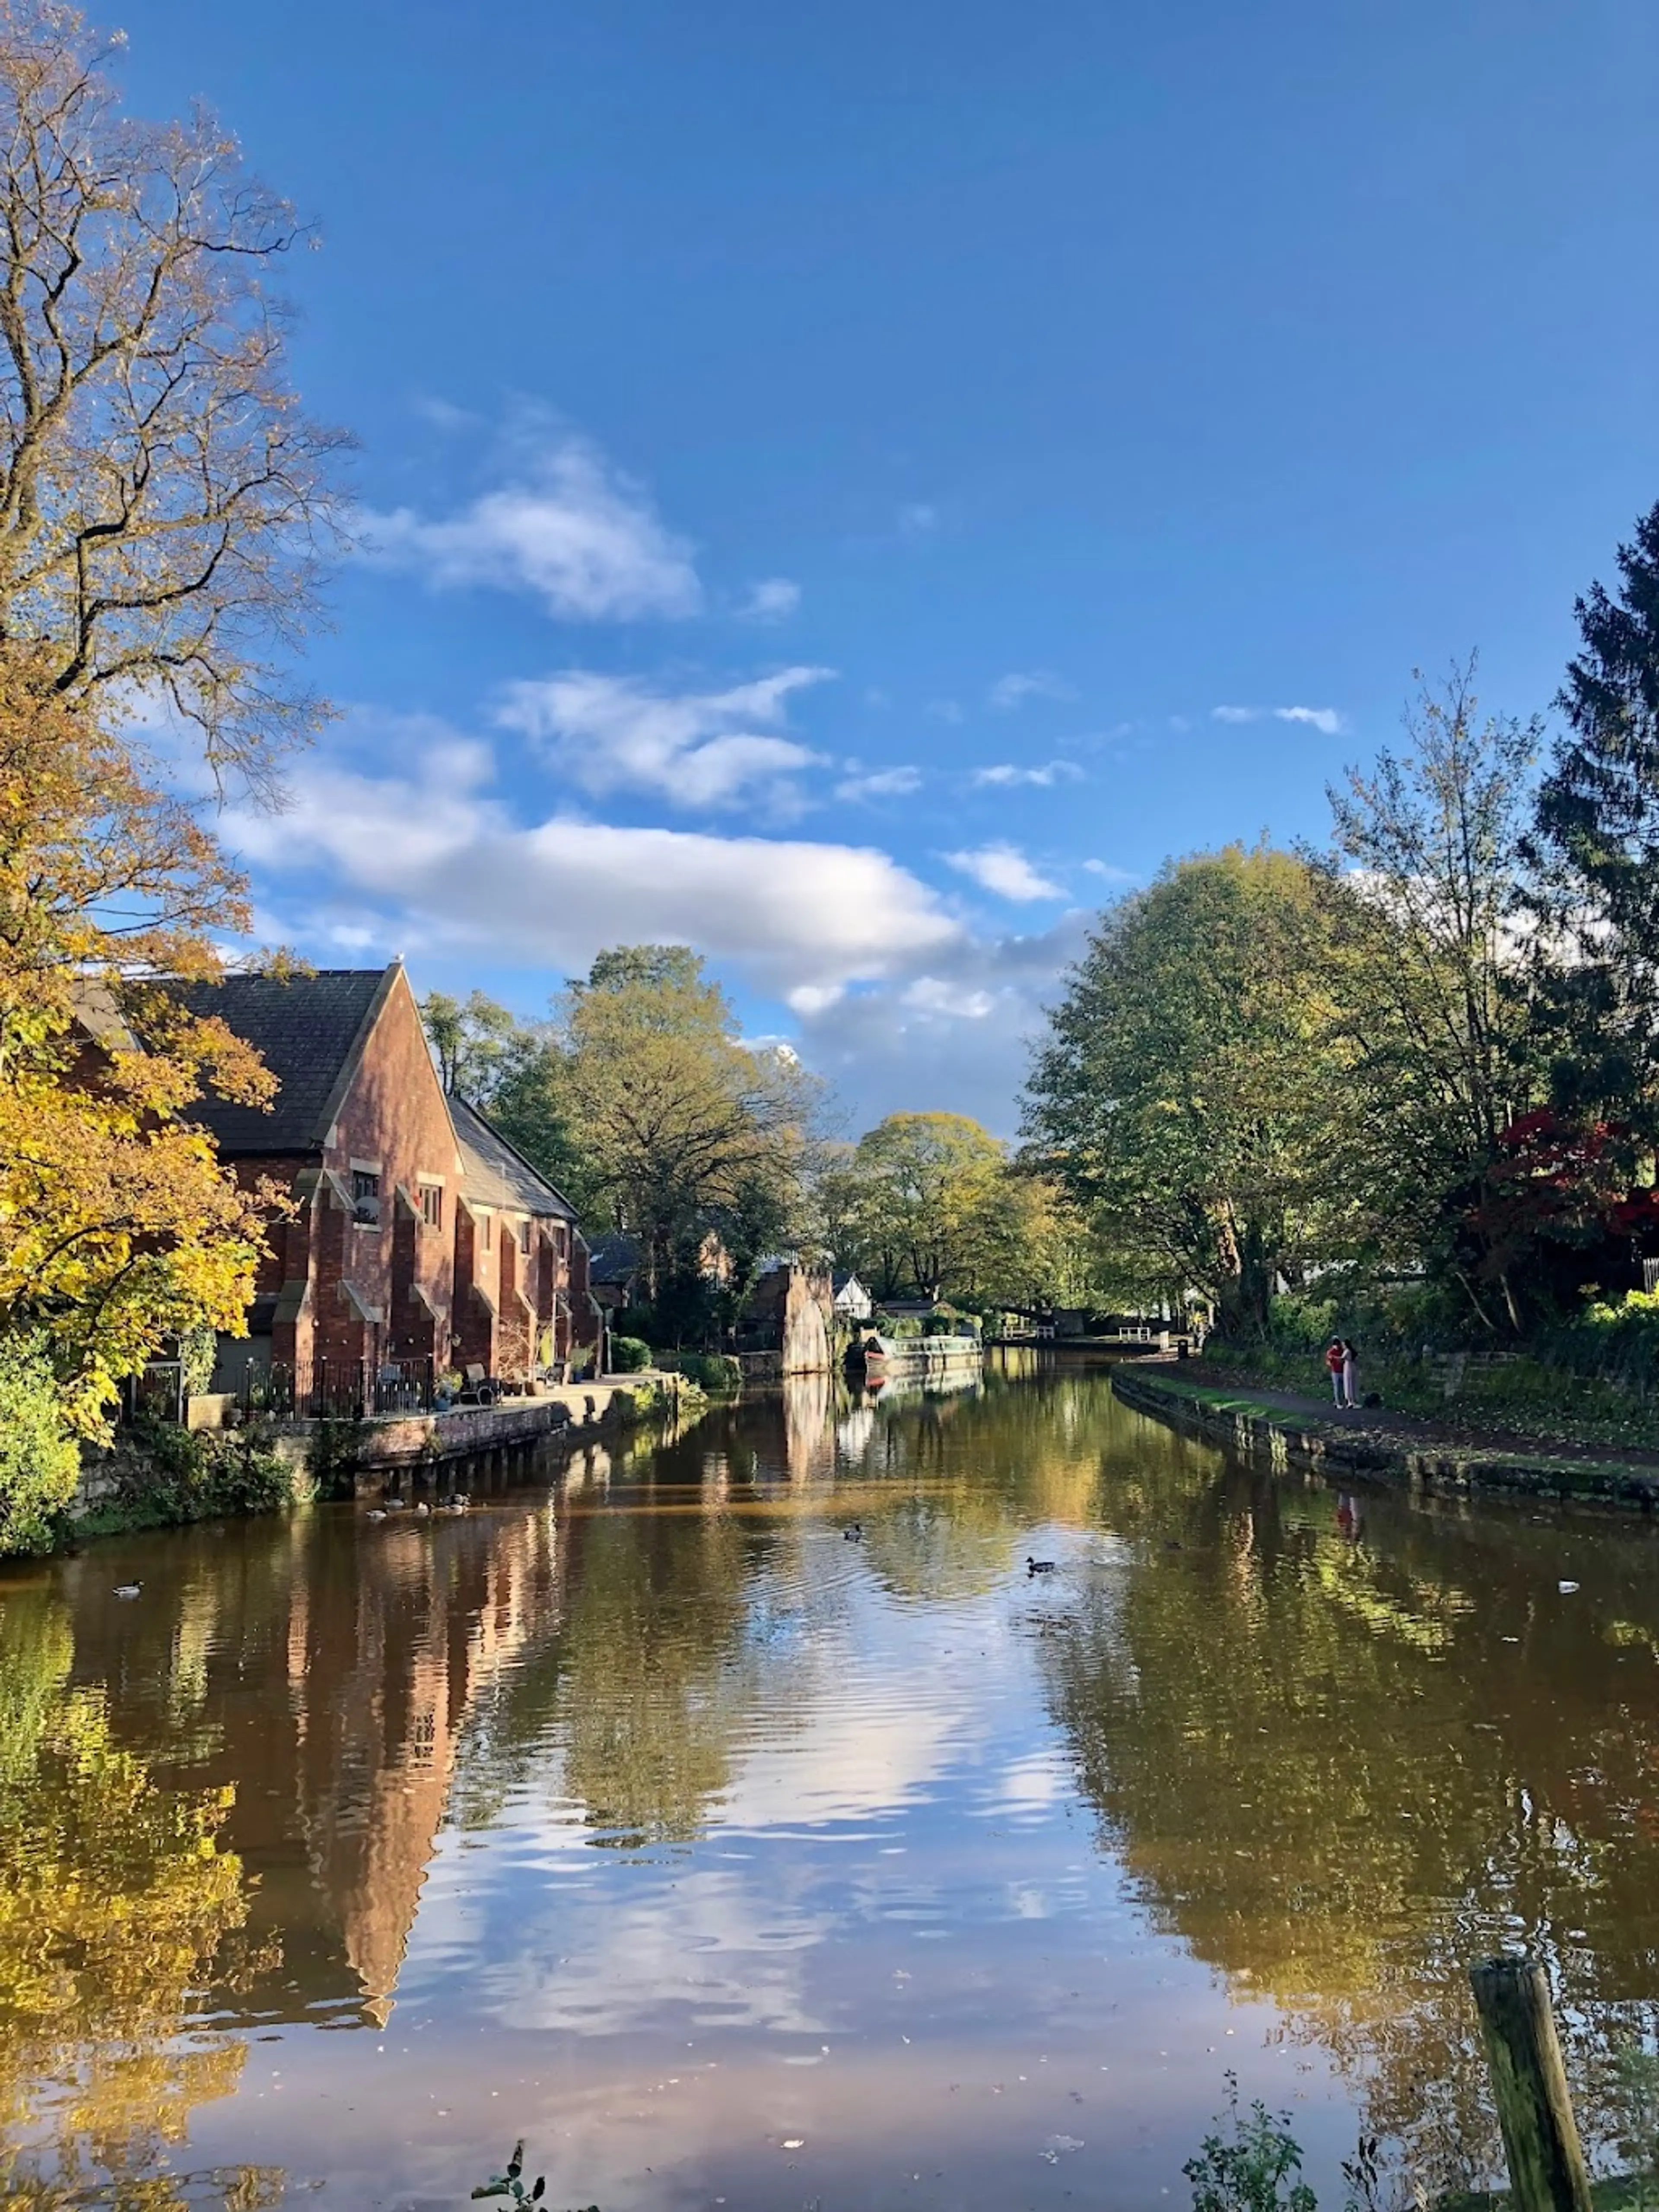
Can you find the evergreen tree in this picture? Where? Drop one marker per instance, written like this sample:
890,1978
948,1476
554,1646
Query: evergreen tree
1597,837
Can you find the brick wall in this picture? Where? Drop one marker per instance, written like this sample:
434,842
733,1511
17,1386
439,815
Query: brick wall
395,1119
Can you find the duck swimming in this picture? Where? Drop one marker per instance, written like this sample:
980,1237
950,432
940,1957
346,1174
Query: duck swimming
1038,1566
127,1589
854,1535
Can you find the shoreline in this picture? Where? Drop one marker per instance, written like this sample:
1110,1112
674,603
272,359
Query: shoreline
1234,1415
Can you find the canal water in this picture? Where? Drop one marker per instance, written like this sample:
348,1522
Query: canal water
733,1859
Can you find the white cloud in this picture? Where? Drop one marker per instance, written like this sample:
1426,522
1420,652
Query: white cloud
1327,720
773,599
426,859
584,539
945,710
957,1032
1005,870
1006,774
937,994
696,748
1013,691
880,783
1323,719
1109,874
917,517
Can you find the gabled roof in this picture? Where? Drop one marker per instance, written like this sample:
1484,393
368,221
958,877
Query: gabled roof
496,1174
309,1029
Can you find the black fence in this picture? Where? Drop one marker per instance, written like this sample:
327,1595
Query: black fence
339,1390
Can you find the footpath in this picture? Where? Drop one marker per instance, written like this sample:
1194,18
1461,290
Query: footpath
1426,1451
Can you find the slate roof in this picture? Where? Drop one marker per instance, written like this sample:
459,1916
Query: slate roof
614,1259
496,1175
308,1029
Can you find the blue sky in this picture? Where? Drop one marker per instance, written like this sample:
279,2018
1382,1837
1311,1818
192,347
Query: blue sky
826,468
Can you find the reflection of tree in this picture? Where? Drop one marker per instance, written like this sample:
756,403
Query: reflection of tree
1339,1779
656,1607
116,1905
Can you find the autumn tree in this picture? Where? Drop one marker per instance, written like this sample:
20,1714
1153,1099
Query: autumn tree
117,1228
165,505
1190,1095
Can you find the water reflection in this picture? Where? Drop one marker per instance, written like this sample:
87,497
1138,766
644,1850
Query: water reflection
117,1905
649,1811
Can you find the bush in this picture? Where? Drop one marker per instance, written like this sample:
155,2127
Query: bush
629,1355
717,1372
178,1476
39,1457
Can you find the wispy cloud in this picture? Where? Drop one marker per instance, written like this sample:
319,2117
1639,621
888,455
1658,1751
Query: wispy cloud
879,783
1005,775
1327,720
695,748
1003,869
945,710
566,527
775,598
1013,691
916,518
1108,873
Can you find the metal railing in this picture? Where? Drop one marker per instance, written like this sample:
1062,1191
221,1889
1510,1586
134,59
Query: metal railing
338,1389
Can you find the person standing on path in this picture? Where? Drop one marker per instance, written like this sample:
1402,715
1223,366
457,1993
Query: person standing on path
1335,1359
1350,1371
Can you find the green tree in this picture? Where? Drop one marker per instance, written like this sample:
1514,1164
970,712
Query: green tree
515,1072
1191,1097
1422,891
919,1204
687,1134
474,1041
39,1456
1597,836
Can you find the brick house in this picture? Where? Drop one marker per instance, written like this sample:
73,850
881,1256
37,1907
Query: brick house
521,1290
394,1186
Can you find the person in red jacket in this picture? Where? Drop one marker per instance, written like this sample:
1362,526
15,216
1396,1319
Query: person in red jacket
1335,1357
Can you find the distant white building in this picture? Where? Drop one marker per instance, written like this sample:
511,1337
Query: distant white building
851,1301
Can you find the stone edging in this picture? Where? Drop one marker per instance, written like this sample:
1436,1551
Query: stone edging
1290,1441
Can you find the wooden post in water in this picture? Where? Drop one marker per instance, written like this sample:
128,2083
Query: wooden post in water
1541,2137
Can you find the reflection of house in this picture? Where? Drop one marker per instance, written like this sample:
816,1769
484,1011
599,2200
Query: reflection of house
789,1313
417,1232
851,1301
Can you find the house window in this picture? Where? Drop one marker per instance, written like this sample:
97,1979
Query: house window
524,1238
366,1197
432,1206
486,1222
